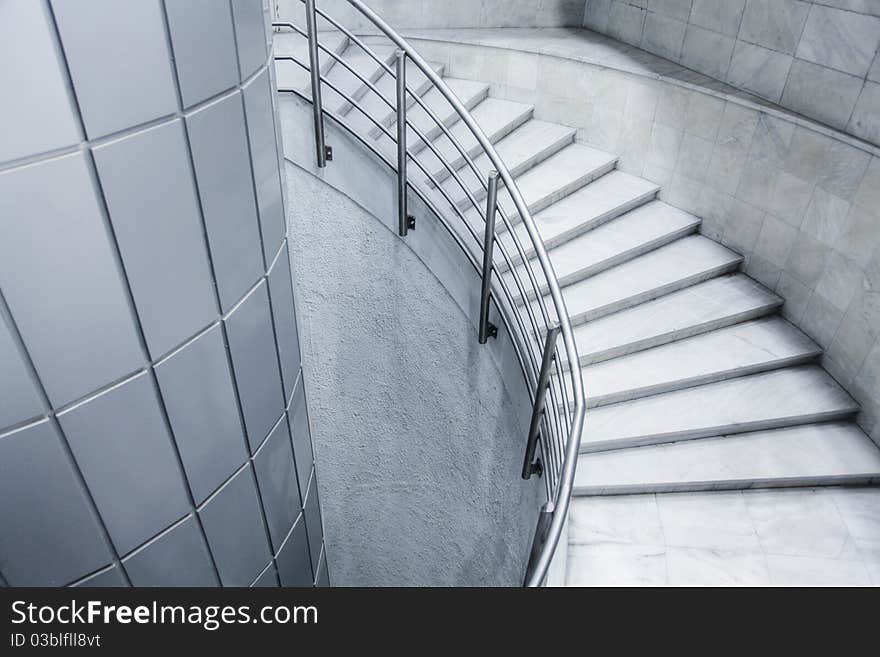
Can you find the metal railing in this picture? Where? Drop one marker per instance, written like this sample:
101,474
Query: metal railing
558,396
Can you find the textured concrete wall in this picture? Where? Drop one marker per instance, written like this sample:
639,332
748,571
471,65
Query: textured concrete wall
798,199
153,428
419,430
448,13
418,439
817,57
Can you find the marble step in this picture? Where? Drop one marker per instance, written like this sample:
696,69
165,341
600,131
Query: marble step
497,118
698,309
520,151
377,108
684,262
419,84
290,75
747,348
469,93
631,235
778,536
556,177
768,400
604,199
813,454
348,82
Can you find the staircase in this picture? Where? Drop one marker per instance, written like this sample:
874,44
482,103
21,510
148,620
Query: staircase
694,380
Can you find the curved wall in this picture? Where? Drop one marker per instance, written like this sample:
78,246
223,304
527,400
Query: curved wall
801,201
447,13
820,58
419,429
153,423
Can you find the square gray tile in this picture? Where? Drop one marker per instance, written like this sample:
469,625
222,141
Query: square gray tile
250,35
284,316
759,70
234,526
19,400
774,24
218,142
150,194
722,16
261,132
254,359
312,513
204,48
294,563
179,557
60,280
196,385
276,477
126,456
707,52
298,417
842,40
50,536
119,61
821,93
36,112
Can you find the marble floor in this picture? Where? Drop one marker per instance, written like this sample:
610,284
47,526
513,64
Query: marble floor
782,537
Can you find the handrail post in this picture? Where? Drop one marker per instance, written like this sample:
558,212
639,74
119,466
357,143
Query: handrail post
530,464
324,152
405,222
487,329
542,527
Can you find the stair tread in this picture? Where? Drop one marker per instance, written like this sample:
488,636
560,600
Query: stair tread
792,395
524,148
715,303
496,118
468,92
601,200
805,455
559,175
640,230
745,348
290,75
684,262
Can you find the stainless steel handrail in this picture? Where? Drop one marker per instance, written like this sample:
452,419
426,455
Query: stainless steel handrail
558,502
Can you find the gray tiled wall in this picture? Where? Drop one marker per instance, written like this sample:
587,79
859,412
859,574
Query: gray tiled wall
153,422
819,58
449,13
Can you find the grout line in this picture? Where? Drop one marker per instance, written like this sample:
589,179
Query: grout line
78,476
87,144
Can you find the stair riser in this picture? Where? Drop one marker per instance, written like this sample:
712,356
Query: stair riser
654,293
680,334
474,151
726,430
866,479
620,258
389,117
691,382
534,160
416,145
362,90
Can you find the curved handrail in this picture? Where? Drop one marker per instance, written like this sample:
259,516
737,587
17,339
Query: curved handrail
557,505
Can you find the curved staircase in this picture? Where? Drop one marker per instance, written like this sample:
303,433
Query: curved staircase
694,380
